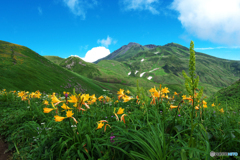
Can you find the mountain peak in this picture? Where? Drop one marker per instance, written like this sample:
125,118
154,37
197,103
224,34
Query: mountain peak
151,46
133,43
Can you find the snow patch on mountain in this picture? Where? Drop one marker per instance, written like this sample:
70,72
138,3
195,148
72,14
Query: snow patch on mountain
142,74
149,78
154,69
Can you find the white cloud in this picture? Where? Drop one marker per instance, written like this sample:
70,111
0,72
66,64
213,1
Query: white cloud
233,47
141,5
106,42
213,20
79,7
96,53
203,48
40,10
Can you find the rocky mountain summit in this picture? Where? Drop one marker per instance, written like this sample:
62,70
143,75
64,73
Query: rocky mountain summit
151,46
124,50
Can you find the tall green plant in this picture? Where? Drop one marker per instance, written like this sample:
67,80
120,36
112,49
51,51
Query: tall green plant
191,84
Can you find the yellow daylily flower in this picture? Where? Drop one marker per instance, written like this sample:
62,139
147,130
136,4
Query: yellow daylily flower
73,99
100,125
38,95
84,97
24,98
20,94
213,105
58,118
65,107
45,102
153,89
165,90
171,106
183,96
157,94
120,91
166,96
127,98
69,114
221,110
93,96
128,91
32,94
120,111
100,98
47,110
55,99
204,102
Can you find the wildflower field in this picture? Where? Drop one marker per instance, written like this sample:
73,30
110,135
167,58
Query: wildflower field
157,125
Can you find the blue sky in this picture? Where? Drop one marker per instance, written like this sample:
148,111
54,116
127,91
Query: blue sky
92,29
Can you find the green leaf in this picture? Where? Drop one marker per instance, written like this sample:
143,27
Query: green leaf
183,154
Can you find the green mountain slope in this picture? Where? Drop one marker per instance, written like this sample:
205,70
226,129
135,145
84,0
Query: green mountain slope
55,59
81,67
23,69
164,65
228,95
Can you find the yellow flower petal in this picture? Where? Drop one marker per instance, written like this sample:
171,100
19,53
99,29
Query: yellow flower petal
120,111
120,91
47,110
100,125
58,118
69,114
73,99
55,99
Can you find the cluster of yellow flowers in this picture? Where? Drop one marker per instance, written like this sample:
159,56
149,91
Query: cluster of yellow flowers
86,100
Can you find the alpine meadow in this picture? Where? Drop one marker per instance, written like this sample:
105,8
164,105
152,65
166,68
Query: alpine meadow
140,102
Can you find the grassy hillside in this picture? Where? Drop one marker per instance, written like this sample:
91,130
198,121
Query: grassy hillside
165,64
55,59
81,67
23,69
229,95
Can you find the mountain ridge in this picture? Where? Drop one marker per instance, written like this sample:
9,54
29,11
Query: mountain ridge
159,65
